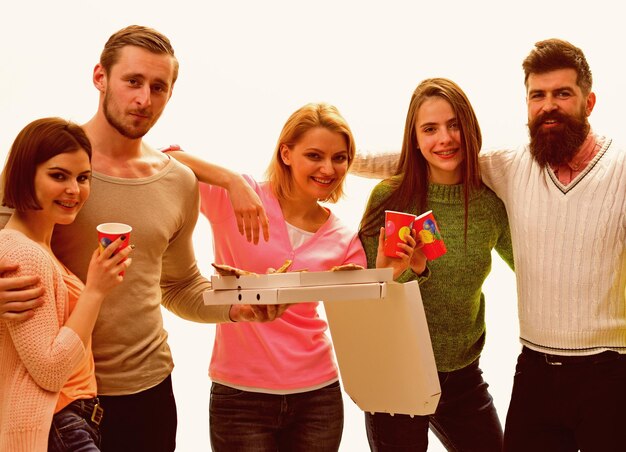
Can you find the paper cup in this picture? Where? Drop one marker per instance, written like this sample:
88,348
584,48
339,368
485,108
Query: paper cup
109,232
398,226
428,232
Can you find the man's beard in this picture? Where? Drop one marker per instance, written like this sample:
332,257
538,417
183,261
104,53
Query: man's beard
557,145
124,130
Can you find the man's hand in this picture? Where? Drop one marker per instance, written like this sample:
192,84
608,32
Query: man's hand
257,312
249,210
18,295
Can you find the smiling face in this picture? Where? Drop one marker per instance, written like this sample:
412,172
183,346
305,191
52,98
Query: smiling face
439,140
62,185
557,115
136,90
318,163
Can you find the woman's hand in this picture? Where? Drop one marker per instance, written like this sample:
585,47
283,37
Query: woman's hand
106,268
418,259
403,261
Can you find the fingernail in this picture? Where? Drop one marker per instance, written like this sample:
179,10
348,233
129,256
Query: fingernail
132,247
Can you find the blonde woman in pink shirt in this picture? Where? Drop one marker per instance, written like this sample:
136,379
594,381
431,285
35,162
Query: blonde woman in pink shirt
276,385
47,374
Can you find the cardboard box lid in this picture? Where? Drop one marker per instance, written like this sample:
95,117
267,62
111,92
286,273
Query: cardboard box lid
285,295
297,279
384,352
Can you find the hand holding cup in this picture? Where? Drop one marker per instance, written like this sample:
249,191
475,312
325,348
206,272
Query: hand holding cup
109,233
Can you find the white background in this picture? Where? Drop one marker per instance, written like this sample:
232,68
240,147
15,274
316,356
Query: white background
247,65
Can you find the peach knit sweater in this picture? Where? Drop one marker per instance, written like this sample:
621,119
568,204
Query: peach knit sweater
36,356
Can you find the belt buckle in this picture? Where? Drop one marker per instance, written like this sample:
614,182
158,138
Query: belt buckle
97,413
550,360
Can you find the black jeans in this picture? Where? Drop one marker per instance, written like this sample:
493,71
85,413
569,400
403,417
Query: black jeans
140,422
566,404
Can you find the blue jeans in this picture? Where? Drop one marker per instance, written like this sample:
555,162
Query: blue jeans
465,419
145,421
563,404
244,421
75,429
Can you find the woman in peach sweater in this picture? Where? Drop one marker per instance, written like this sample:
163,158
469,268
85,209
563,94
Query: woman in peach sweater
47,375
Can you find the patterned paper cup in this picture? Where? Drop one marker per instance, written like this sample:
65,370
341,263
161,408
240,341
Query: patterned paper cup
429,233
398,226
109,232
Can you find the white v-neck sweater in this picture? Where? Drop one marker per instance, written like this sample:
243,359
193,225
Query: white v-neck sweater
569,246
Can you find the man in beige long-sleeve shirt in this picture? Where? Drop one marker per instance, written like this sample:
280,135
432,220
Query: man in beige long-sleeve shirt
135,184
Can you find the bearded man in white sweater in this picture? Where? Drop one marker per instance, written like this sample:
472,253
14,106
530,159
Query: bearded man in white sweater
565,194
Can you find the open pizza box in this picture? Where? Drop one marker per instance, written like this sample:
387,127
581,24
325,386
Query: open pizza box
378,328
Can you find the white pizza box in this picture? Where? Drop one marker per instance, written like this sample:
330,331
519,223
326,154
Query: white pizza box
303,278
283,295
384,352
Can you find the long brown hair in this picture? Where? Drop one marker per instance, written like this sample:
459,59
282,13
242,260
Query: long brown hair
410,183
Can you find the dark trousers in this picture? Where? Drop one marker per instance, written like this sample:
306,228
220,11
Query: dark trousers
566,404
243,421
140,422
465,419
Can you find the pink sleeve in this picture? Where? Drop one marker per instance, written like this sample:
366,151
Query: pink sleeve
49,351
356,253
214,202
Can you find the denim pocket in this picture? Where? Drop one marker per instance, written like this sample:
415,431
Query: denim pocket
71,431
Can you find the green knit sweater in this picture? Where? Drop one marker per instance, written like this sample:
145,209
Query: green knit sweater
452,295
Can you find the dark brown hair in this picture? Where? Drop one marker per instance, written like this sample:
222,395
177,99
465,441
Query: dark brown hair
36,143
553,54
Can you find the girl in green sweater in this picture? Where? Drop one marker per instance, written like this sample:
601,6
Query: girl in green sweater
438,170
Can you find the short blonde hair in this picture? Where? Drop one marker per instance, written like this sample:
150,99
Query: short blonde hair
308,117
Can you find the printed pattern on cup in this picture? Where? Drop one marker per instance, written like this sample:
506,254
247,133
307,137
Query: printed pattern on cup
429,234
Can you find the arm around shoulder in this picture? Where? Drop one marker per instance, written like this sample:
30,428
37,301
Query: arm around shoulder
375,165
495,167
249,211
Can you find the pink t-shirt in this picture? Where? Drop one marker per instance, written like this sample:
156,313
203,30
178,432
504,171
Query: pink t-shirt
292,352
